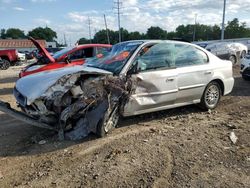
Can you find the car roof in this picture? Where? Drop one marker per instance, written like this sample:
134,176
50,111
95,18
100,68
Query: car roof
93,45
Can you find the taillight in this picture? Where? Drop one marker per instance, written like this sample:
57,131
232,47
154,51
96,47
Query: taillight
16,53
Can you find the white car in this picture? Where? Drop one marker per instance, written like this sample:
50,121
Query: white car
239,47
21,56
136,77
245,68
224,51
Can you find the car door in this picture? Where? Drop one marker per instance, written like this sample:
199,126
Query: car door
194,72
78,57
156,80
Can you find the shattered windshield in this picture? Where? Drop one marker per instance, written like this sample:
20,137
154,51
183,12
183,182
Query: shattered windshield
116,59
62,52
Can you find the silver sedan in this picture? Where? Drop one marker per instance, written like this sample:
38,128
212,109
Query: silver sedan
136,77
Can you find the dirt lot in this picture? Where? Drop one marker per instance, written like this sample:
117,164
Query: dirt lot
183,147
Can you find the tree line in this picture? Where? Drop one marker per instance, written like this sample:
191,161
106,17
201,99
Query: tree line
190,32
233,29
45,33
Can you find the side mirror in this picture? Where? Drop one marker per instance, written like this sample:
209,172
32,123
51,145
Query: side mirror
133,69
67,59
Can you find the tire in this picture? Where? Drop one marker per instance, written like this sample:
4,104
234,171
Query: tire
233,59
211,96
108,123
5,64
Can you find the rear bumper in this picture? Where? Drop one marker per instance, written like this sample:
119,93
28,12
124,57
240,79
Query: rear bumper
5,107
228,85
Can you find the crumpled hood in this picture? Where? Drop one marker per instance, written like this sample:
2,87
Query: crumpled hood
33,86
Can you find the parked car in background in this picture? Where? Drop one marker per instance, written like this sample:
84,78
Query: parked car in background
10,56
21,56
245,68
136,77
239,47
4,65
65,58
52,51
224,51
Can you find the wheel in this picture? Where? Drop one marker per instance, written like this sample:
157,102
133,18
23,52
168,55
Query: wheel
233,59
109,122
211,96
243,54
5,64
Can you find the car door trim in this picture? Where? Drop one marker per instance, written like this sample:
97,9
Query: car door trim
191,87
155,93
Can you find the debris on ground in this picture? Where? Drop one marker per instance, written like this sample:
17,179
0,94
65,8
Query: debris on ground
42,142
233,137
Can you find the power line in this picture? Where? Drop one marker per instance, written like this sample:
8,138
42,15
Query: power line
118,6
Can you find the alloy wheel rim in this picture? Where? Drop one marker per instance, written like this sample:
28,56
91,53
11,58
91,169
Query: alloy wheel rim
212,95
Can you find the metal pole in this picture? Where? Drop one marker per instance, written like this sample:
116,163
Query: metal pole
194,27
119,21
223,21
107,31
89,23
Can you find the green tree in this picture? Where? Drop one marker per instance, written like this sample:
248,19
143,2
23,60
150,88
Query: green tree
136,36
156,33
235,29
83,41
2,34
13,33
43,33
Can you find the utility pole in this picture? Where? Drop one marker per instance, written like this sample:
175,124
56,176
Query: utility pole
107,31
118,5
223,21
96,41
89,24
195,23
64,36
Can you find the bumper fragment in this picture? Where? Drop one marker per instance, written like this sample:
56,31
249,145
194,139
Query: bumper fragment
5,107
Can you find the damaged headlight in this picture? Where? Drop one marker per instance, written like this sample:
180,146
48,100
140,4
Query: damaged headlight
22,100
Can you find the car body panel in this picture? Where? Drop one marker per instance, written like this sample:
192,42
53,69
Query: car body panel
28,86
154,89
191,83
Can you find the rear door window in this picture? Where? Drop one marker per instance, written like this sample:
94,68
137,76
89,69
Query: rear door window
82,54
186,55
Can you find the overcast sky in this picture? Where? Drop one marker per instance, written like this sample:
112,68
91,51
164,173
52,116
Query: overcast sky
70,16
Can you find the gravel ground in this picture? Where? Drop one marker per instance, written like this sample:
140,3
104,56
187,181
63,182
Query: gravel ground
183,147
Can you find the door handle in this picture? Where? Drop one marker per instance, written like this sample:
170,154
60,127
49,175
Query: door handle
169,79
208,72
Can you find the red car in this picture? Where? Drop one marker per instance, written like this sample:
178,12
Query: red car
64,58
